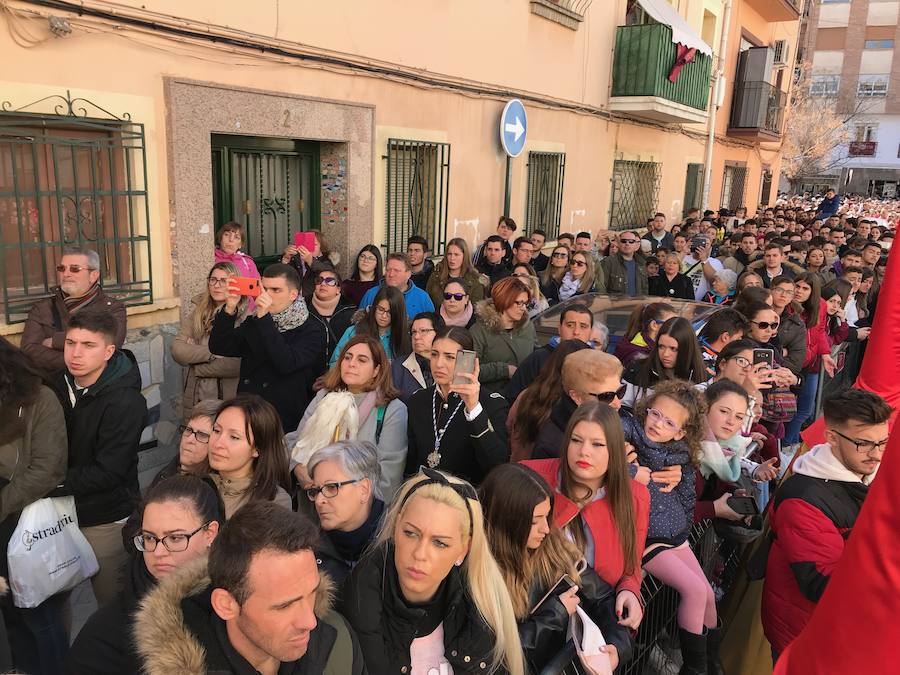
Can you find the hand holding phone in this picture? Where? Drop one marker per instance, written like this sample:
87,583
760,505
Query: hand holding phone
246,286
465,379
465,364
745,506
766,356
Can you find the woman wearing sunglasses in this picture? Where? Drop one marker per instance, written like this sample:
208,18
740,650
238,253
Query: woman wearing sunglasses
526,273
206,376
329,307
456,264
178,521
503,334
579,278
456,308
552,276
348,503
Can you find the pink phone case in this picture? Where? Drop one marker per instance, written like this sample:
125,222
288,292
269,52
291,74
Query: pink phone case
305,239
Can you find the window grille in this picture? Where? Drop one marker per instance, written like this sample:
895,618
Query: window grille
74,178
693,188
418,183
872,86
546,176
824,85
733,184
765,188
635,191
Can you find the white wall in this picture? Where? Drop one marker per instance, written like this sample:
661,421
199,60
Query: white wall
888,139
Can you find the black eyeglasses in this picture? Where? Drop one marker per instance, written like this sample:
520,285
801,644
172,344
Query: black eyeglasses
326,281
328,490
560,255
454,296
863,446
201,436
766,325
608,396
628,241
174,543
579,263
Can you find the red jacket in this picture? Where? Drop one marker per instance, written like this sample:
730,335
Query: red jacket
817,341
609,561
813,514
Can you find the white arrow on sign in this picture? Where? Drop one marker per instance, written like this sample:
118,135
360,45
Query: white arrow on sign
516,128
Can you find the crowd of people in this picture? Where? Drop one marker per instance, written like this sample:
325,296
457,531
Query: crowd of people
385,472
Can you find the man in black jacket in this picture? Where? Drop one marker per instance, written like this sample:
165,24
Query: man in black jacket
100,392
281,350
263,609
493,264
575,323
422,267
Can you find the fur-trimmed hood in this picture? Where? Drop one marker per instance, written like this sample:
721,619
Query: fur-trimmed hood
165,644
490,317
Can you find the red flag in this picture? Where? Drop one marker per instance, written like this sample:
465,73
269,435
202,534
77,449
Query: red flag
683,56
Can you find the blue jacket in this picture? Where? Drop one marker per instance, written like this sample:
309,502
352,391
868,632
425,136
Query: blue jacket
416,299
828,207
349,333
672,513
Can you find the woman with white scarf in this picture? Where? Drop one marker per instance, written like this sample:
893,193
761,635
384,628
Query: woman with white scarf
358,402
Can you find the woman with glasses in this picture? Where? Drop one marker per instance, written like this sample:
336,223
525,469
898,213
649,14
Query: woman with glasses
459,428
330,308
640,334
206,375
344,490
414,372
366,273
457,308
791,328
526,273
456,264
385,320
358,401
178,521
597,505
503,333
429,597
247,455
552,276
193,446
579,279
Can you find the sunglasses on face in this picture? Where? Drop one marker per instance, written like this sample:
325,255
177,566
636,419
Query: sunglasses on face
74,269
560,254
454,296
608,396
766,325
579,263
326,281
628,241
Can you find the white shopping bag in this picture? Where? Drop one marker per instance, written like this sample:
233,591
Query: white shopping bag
588,640
47,553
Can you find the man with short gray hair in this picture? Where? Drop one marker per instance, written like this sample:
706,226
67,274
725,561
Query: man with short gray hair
78,275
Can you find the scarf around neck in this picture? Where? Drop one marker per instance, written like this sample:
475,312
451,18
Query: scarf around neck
291,317
460,320
73,304
326,309
568,287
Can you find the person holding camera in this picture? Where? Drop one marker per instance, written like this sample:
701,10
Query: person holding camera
700,266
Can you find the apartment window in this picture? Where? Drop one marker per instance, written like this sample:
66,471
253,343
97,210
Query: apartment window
635,192
733,183
872,86
879,44
546,175
72,180
865,132
418,182
824,85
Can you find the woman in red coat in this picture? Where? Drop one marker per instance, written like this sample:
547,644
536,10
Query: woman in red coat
598,505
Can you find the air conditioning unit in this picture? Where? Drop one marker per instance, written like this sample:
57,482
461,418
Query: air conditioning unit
782,49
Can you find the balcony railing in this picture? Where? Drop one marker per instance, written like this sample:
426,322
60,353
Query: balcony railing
863,148
644,57
757,107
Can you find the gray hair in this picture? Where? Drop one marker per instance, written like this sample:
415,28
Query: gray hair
357,459
727,277
603,332
207,407
92,255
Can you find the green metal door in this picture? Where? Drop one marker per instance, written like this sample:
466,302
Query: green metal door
268,185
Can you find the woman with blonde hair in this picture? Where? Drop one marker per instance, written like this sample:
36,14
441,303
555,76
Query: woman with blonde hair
580,277
358,401
456,263
206,376
533,556
430,594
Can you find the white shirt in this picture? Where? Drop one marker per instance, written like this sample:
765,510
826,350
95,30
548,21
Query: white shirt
851,311
698,279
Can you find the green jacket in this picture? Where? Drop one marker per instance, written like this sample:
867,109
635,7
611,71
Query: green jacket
497,348
610,275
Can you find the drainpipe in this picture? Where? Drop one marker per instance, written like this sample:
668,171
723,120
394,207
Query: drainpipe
714,106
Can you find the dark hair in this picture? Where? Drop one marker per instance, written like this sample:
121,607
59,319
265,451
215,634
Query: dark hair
565,235
320,266
510,223
856,405
688,363
521,240
686,395
231,226
418,239
849,270
374,250
494,239
383,383
751,309
437,322
199,492
262,427
95,321
528,268
810,308
367,325
641,316
20,382
840,287
583,235
720,388
256,527
773,245
726,320
748,296
540,232
732,349
459,335
282,271
536,401
576,308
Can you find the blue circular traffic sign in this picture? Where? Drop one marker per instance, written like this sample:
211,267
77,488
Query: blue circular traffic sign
513,128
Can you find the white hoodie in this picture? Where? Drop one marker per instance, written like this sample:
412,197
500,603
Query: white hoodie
820,462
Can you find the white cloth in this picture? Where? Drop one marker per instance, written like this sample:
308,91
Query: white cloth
682,32
851,312
820,462
694,272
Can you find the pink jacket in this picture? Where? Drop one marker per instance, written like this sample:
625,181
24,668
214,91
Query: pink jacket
244,263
